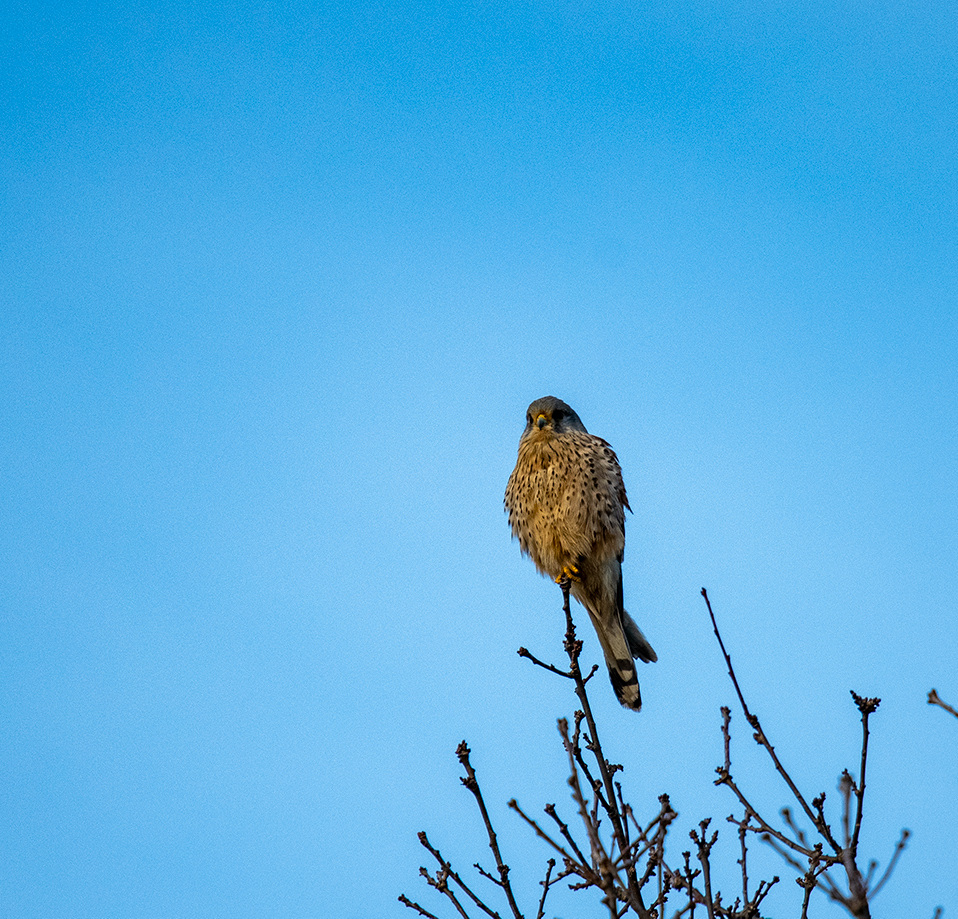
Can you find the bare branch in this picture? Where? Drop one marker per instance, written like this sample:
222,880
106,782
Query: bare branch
759,735
810,880
604,876
934,699
412,905
743,861
705,849
442,877
542,834
550,809
469,780
859,891
866,706
524,652
899,848
573,648
625,855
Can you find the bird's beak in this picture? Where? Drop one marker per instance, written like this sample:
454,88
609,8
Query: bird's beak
541,421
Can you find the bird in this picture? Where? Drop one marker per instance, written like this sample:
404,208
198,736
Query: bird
566,505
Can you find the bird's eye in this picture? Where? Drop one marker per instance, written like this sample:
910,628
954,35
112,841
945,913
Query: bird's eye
558,415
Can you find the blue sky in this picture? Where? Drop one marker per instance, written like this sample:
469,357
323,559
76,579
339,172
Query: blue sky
278,283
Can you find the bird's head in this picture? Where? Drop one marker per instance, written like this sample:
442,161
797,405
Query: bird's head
551,416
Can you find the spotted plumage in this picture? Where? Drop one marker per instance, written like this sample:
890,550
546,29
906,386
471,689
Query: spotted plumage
566,503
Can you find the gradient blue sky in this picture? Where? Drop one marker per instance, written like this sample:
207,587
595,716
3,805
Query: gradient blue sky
278,282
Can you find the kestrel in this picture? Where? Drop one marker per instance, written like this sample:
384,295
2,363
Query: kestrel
566,503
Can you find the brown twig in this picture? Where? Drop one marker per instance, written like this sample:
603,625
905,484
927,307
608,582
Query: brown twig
564,830
524,652
545,888
705,850
604,877
413,905
759,735
856,901
867,707
469,780
743,861
441,881
899,848
811,879
934,699
762,826
573,648
541,833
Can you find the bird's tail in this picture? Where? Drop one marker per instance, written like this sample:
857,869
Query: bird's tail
622,640
638,643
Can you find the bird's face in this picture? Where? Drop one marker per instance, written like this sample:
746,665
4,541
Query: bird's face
548,417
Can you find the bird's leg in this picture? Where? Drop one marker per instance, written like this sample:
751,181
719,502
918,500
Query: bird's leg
569,573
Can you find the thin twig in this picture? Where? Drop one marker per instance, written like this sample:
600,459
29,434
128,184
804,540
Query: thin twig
934,699
545,888
573,648
413,905
810,880
524,652
902,842
542,834
756,726
564,830
705,848
469,780
605,872
743,860
763,826
445,872
866,706
786,813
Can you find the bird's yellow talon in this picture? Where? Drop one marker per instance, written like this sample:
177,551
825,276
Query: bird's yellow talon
569,573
